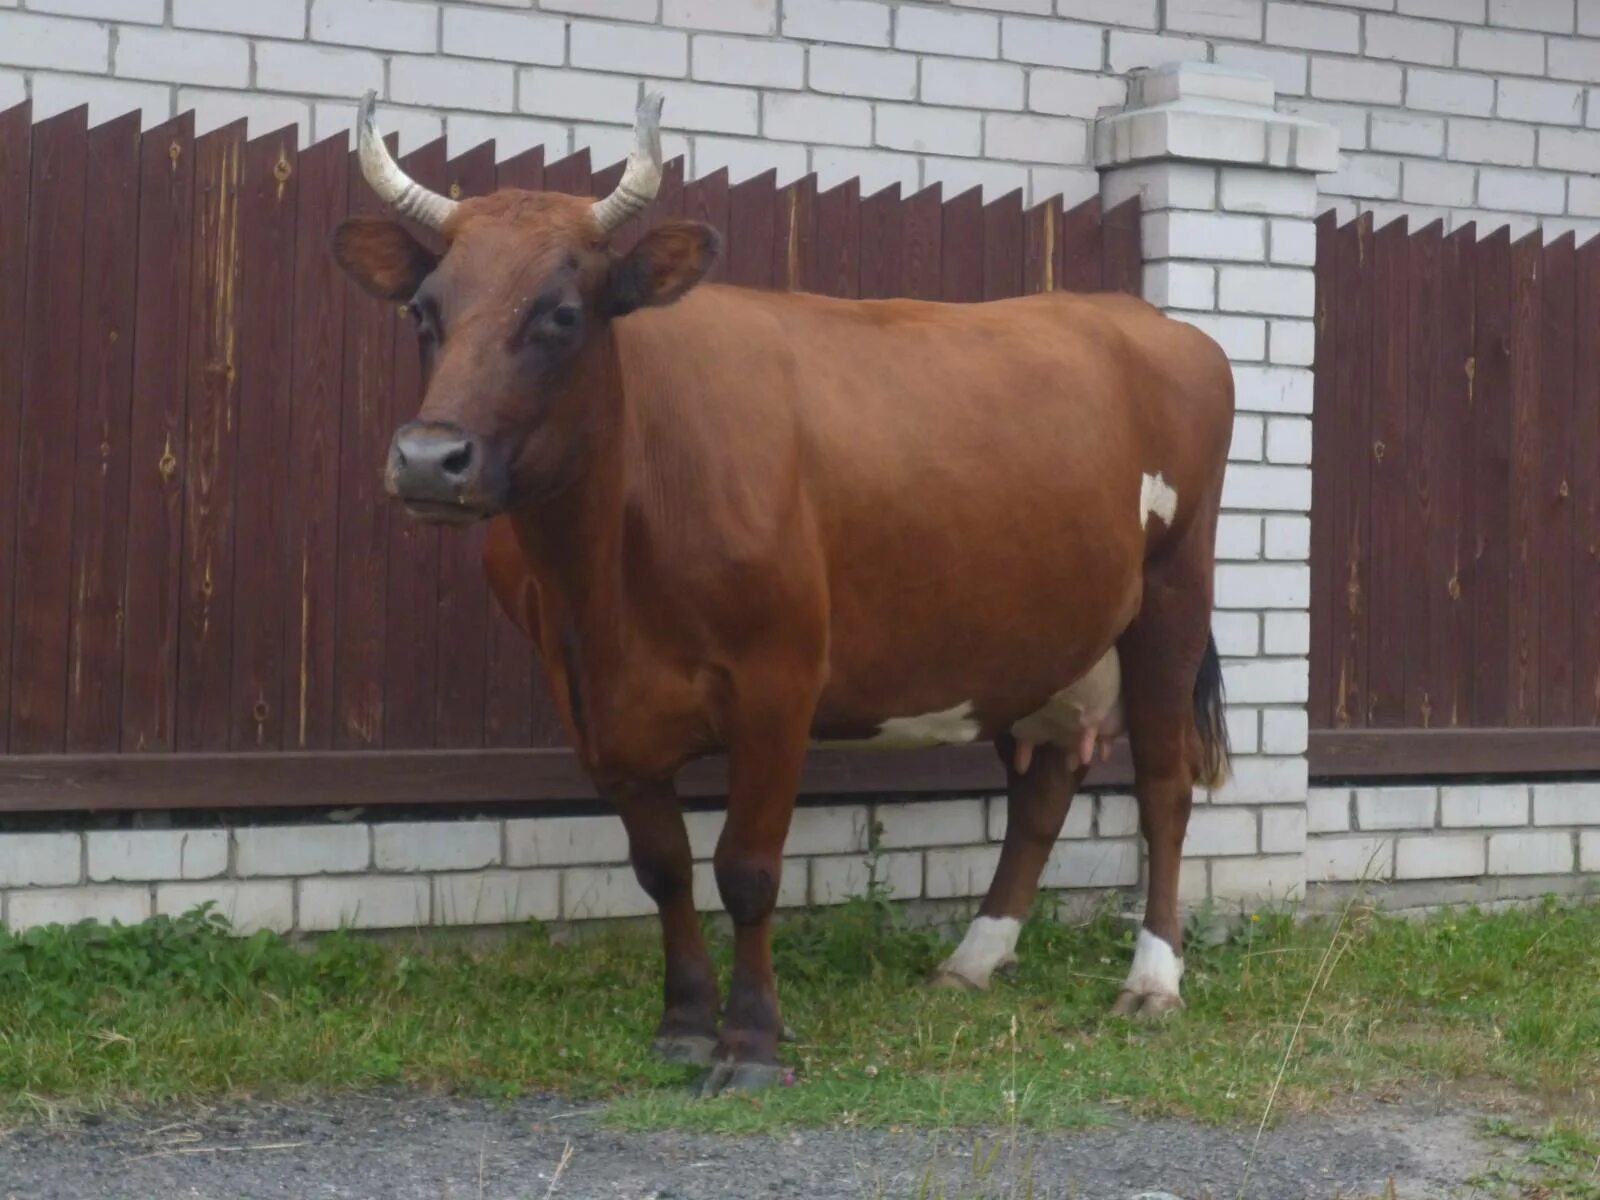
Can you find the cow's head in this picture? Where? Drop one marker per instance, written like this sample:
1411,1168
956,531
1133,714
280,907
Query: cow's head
527,283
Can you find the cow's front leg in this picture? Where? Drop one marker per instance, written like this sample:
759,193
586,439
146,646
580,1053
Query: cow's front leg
765,760
658,846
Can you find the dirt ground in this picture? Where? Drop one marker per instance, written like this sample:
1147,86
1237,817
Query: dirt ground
402,1146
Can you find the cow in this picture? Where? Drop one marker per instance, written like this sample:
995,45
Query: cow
743,521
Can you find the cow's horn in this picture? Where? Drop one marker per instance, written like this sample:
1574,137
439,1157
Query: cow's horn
394,186
641,178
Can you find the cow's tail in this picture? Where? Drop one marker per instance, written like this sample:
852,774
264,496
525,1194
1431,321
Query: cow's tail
1210,721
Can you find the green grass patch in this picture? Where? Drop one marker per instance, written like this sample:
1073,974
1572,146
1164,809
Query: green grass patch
1558,1162
175,1010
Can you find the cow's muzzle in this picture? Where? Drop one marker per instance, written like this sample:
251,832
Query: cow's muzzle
444,474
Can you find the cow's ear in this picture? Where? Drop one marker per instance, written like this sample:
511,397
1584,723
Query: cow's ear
382,256
666,263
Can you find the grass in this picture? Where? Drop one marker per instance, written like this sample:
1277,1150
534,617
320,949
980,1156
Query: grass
175,1010
1560,1162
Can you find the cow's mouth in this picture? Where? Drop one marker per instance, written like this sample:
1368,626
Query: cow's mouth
433,512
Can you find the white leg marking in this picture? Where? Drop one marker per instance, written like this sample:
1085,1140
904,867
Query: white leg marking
1156,498
1156,971
991,943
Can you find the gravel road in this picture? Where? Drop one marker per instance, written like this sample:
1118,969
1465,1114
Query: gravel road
403,1146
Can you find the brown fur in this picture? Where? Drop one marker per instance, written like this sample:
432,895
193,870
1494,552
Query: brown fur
745,519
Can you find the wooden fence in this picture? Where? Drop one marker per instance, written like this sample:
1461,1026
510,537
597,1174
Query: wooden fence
1455,514
205,596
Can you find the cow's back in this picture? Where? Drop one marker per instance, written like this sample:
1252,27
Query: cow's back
969,486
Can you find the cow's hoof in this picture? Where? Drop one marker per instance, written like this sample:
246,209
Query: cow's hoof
733,1076
1147,1005
690,1049
955,982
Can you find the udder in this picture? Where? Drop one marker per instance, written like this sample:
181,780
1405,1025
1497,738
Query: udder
1080,717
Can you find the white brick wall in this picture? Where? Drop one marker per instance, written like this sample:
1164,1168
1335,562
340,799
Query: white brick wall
1411,84
1251,837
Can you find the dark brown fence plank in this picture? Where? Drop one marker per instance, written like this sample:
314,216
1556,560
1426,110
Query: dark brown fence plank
269,197
525,170
205,624
921,225
16,133
1490,469
752,229
462,670
571,174
321,292
1002,247
1552,495
100,489
1041,226
1450,541
363,507
1350,755
838,254
882,214
1391,575
1325,468
1586,488
1426,597
668,204
961,247
46,437
1352,508
795,242
1080,257
706,199
411,606
1527,310
1122,260
158,436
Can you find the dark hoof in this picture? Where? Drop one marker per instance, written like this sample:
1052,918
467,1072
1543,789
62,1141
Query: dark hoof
730,1076
1150,1006
690,1049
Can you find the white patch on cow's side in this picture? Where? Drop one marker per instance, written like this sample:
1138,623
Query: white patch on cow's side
991,943
952,727
1156,498
1156,970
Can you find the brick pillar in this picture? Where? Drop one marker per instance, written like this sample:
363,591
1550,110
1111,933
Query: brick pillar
1229,195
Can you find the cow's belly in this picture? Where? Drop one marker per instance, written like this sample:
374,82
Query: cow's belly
1092,703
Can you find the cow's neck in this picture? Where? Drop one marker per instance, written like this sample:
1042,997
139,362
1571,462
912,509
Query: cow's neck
572,474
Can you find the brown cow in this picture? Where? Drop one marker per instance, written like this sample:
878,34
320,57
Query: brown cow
743,521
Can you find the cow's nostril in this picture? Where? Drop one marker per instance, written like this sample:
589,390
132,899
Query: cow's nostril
458,460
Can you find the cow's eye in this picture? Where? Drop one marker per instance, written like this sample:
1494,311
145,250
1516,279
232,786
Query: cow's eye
549,320
425,314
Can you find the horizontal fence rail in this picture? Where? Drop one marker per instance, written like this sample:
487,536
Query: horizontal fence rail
1456,501
197,559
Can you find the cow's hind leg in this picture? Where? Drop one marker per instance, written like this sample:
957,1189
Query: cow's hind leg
1036,807
658,845
1172,695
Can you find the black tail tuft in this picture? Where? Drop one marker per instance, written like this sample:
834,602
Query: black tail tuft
1210,720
